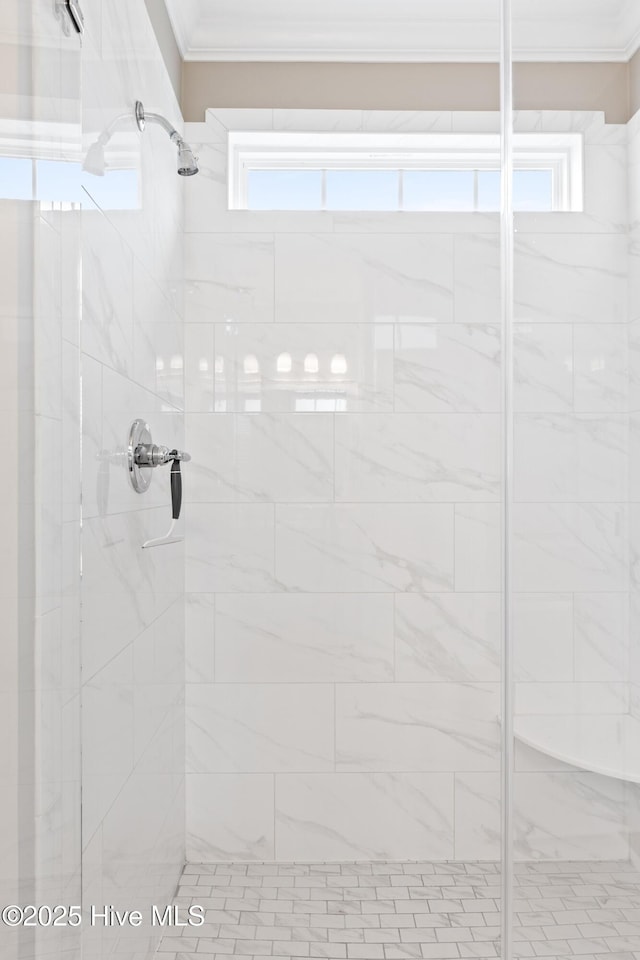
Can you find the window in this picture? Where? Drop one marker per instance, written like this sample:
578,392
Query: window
410,172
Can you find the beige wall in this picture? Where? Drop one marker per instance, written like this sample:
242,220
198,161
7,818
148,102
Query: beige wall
634,84
410,86
381,86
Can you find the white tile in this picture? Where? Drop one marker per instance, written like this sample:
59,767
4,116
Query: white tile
605,184
602,637
304,367
229,548
569,547
338,817
230,816
158,350
115,609
407,121
543,367
207,195
199,367
108,728
107,294
364,547
601,367
357,278
565,457
577,816
543,636
478,821
259,728
477,286
319,121
558,697
304,637
429,361
533,761
477,547
199,637
268,457
412,726
417,457
229,279
448,637
577,279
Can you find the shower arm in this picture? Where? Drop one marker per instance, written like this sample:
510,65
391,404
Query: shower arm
142,116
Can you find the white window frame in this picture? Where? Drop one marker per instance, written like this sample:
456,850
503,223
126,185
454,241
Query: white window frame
561,153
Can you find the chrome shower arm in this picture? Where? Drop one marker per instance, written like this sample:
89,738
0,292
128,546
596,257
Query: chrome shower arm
164,123
142,116
187,162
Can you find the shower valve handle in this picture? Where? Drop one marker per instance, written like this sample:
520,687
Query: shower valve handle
176,489
155,455
143,456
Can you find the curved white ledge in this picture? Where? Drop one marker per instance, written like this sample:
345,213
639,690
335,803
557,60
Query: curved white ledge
607,744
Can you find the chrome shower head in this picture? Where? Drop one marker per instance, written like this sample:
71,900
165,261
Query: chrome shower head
187,163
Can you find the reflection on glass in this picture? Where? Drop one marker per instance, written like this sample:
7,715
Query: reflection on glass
362,189
58,180
311,364
339,364
284,189
284,363
251,364
116,190
16,178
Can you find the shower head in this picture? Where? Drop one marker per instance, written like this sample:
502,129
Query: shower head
187,163
94,162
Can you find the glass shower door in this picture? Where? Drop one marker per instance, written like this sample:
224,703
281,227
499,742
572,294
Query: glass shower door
573,448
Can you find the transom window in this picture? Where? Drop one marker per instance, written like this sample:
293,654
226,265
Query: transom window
401,172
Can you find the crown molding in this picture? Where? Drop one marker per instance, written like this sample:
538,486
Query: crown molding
184,16
402,31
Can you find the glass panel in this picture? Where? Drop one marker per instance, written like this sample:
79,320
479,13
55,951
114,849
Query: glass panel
284,189
362,189
447,190
489,182
575,531
58,180
533,190
16,178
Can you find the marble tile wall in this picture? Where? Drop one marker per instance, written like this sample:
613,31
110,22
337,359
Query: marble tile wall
132,600
343,543
572,513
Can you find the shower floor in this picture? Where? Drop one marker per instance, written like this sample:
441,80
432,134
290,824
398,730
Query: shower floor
391,911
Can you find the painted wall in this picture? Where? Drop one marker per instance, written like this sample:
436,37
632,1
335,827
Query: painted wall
133,614
343,552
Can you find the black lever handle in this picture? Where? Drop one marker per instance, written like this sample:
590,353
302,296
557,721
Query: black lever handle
176,489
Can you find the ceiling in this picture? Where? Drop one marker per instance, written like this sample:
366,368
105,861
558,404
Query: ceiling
403,30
